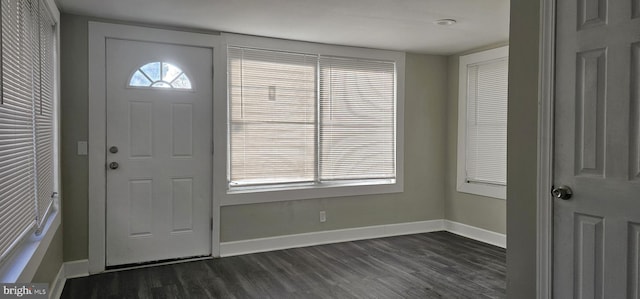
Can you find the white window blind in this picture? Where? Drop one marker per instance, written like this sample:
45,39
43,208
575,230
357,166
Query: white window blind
357,119
44,113
26,113
486,138
17,190
272,103
302,118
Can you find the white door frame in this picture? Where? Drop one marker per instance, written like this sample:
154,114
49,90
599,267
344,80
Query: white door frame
546,69
98,34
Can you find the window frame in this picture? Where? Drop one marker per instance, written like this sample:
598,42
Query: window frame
286,192
462,185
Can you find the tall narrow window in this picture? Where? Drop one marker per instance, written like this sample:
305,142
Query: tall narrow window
272,130
357,125
17,189
44,108
487,122
26,120
482,140
309,119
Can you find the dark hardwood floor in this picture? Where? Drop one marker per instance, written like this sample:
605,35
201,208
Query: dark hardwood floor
431,265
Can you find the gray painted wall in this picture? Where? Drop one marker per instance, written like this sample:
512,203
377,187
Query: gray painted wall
479,211
522,149
74,127
51,262
423,199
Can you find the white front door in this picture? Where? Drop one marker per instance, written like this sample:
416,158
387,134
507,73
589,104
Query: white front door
159,138
597,149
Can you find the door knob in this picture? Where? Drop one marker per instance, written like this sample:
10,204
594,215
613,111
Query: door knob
114,165
562,192
113,149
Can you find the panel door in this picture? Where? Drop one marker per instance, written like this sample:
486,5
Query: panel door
597,149
159,168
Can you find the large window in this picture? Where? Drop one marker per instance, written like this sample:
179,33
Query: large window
482,123
306,119
27,130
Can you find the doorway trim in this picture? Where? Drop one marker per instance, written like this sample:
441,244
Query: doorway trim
98,35
546,80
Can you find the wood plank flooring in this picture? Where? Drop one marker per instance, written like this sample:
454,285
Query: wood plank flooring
431,265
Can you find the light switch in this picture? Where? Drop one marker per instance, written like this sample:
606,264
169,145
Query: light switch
83,148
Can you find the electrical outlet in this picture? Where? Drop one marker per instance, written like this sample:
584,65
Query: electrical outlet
323,216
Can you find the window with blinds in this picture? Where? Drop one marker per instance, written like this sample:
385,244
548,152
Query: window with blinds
357,119
44,108
482,143
26,119
487,122
309,119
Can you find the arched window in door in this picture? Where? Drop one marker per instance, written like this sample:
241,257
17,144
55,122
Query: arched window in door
160,74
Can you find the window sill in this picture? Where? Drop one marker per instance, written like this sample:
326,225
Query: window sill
261,194
22,265
481,189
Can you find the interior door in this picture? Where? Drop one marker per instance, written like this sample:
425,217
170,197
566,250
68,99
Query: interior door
159,150
597,150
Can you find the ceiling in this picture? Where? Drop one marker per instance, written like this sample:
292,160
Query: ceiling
404,25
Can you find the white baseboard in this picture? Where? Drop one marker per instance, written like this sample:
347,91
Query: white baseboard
58,284
327,237
73,269
79,268
476,233
360,233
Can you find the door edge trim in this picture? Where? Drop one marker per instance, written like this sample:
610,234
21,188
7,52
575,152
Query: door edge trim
544,229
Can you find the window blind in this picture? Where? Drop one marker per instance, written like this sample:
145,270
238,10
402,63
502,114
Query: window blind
17,186
44,113
272,114
486,140
26,120
357,119
303,118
